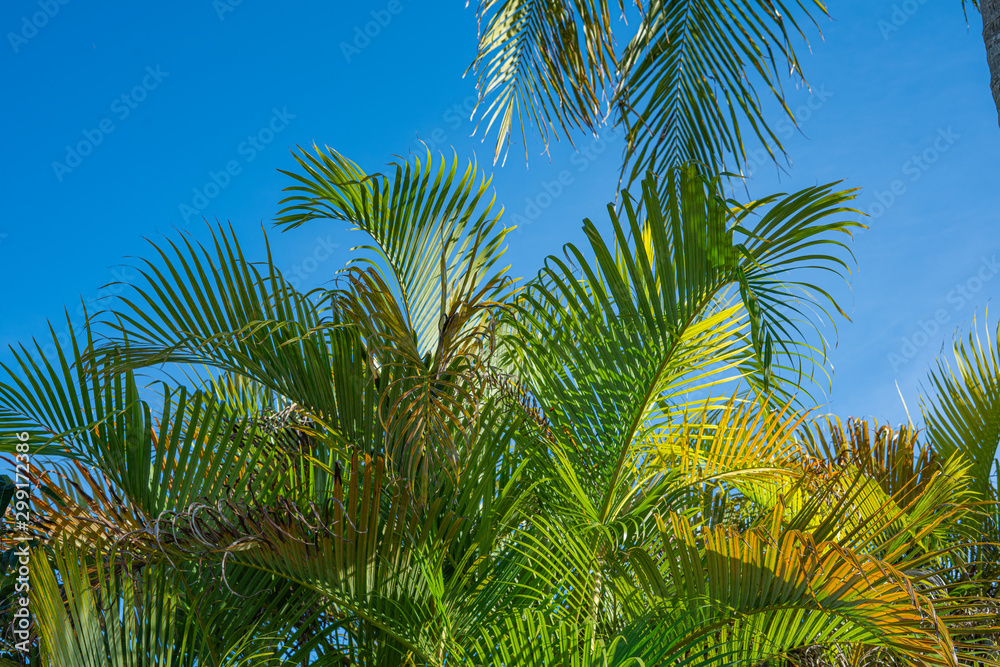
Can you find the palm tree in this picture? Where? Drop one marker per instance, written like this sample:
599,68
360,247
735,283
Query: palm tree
991,36
427,462
430,463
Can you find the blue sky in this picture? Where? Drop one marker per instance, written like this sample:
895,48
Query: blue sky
192,107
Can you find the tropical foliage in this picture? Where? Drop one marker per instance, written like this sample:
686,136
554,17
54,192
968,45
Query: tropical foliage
429,462
685,87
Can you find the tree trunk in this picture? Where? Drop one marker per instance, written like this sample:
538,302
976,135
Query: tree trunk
991,35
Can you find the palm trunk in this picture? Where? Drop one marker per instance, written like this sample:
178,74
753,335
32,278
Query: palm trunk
991,35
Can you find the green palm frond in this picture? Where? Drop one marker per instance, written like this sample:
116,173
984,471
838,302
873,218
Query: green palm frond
369,550
745,598
532,639
53,399
690,77
96,625
716,596
544,62
961,410
609,349
686,87
209,305
962,406
139,457
91,613
227,326
424,302
427,402
433,230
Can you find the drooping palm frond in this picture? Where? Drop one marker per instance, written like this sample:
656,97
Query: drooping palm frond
687,86
53,399
882,494
141,456
434,232
209,305
549,63
690,78
717,596
758,595
368,551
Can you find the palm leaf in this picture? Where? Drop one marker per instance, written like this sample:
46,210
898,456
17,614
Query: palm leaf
962,406
686,86
687,90
545,62
609,349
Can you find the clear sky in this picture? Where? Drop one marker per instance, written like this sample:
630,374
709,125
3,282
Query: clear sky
188,109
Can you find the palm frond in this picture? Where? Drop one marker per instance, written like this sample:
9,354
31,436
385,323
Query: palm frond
608,348
433,230
686,87
544,62
962,406
690,76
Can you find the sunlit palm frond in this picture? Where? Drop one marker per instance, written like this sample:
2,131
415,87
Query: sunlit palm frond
756,596
211,306
686,87
435,236
424,303
548,63
608,347
962,406
961,410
